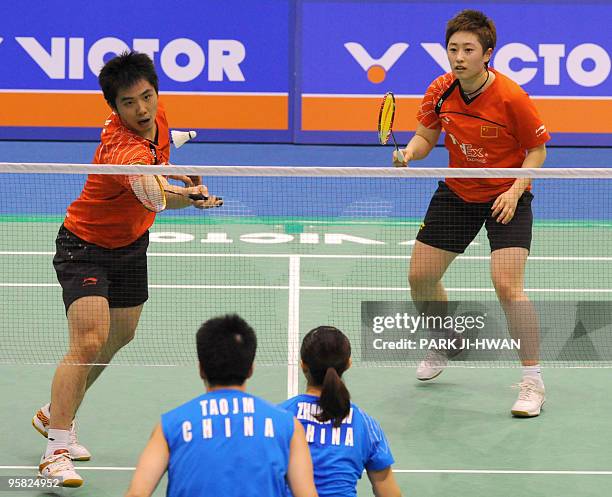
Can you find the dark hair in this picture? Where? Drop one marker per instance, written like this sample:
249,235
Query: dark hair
326,352
475,22
123,71
226,350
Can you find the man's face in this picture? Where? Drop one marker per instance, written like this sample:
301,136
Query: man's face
137,107
466,56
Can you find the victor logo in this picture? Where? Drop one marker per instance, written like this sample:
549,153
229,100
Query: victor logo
376,69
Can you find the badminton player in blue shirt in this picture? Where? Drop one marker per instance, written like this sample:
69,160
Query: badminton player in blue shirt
226,442
343,439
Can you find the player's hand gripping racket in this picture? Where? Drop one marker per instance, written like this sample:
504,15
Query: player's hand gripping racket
385,123
151,190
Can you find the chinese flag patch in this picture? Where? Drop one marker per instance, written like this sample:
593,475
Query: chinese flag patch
489,131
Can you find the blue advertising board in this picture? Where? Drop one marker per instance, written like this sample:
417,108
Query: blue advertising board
353,52
212,58
302,71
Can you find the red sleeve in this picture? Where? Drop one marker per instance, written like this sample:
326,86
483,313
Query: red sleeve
527,125
426,114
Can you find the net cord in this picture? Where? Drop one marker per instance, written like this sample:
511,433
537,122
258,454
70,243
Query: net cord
385,171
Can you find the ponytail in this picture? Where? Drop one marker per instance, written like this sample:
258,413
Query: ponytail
335,400
326,351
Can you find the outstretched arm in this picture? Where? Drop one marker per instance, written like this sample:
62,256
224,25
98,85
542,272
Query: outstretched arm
177,197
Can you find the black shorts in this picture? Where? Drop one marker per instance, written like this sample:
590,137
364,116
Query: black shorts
84,269
451,223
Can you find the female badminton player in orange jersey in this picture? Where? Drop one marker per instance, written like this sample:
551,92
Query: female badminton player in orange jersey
101,260
489,122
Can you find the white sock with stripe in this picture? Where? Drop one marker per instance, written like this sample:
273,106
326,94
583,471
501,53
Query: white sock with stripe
57,439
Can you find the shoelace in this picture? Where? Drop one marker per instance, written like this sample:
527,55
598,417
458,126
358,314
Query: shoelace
526,390
60,462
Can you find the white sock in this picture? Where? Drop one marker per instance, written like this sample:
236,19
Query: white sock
57,439
533,372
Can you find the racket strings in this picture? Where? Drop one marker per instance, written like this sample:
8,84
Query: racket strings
149,191
385,118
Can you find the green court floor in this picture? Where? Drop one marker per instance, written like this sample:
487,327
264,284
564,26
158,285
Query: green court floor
452,437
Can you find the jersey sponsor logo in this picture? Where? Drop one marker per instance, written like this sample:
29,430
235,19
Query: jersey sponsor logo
472,154
153,152
376,69
540,131
90,281
489,132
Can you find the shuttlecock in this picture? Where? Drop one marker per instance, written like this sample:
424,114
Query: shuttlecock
179,138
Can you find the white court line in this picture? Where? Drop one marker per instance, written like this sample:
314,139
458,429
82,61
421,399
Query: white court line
222,287
323,288
337,256
425,471
293,327
407,289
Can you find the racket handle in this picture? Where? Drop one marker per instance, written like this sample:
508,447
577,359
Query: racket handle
199,196
400,154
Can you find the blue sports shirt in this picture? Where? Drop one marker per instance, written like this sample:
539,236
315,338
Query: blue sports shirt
339,455
227,443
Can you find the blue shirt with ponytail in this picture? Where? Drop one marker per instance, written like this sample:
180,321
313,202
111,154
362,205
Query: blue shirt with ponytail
339,455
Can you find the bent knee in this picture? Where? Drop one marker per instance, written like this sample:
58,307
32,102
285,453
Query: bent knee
422,279
87,347
509,293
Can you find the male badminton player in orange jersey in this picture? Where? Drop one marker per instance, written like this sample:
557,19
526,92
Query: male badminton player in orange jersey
489,122
101,259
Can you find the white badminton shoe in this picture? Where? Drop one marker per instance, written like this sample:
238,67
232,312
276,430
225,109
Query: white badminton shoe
431,367
530,398
59,466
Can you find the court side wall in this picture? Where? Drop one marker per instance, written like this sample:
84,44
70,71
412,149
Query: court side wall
303,71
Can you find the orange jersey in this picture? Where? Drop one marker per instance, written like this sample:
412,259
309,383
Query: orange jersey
107,213
494,129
